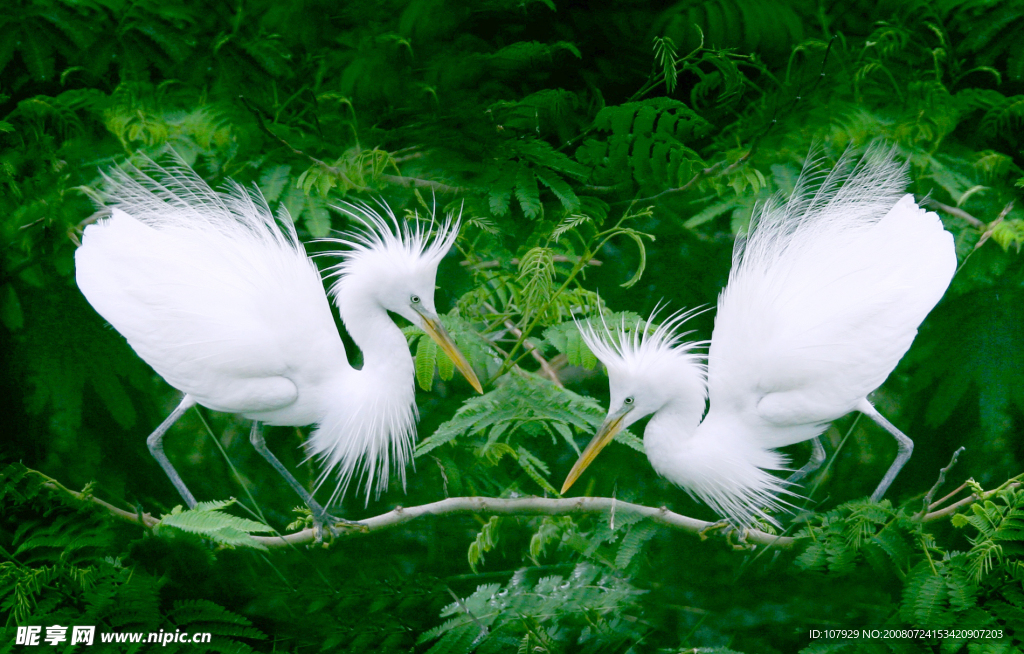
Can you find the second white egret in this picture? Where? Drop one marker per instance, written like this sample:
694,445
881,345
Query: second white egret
825,296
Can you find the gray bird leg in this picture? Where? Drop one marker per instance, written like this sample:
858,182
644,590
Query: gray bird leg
817,458
320,515
156,448
905,448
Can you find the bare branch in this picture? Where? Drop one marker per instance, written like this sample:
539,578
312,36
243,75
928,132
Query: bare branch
927,503
414,182
524,506
144,519
527,506
952,508
953,211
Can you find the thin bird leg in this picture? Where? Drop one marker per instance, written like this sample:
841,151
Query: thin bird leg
320,515
817,458
905,448
156,448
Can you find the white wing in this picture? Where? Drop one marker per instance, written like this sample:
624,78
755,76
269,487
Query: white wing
825,299
212,293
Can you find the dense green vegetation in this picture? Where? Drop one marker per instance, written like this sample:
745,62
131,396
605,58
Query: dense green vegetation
612,147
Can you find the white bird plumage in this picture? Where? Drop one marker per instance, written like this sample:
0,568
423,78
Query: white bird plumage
824,298
220,298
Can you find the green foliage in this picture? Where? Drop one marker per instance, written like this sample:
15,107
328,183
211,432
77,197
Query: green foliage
522,410
566,337
65,569
209,521
587,608
940,586
648,139
612,147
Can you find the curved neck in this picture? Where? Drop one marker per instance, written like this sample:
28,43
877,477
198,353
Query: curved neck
370,426
668,430
382,343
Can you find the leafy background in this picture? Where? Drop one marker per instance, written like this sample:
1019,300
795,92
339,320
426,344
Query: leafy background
602,147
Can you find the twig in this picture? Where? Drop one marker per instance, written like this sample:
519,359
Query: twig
951,509
953,211
414,182
939,502
145,519
926,504
545,367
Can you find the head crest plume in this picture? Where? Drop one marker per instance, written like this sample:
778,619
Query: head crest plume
380,238
620,350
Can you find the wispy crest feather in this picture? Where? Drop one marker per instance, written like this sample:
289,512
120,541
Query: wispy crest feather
619,349
382,238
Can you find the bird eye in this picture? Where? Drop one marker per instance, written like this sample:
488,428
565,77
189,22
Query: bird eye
415,299
628,401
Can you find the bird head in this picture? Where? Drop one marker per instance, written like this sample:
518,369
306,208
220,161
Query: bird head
394,267
649,369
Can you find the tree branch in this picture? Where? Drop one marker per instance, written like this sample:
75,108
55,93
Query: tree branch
953,211
523,506
952,508
415,182
527,506
927,502
144,519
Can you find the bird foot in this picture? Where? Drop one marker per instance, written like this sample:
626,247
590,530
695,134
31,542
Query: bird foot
319,520
729,531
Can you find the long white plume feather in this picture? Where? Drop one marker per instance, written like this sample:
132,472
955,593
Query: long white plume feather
175,196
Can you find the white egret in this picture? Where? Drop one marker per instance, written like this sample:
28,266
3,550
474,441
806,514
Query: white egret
824,298
223,302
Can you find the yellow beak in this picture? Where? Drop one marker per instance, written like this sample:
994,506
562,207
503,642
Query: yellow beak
611,426
433,327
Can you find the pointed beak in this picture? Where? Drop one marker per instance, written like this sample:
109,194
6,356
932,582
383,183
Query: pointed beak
433,327
611,426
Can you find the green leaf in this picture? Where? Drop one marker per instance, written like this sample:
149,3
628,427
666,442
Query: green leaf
536,469
527,192
426,358
560,188
500,195
445,366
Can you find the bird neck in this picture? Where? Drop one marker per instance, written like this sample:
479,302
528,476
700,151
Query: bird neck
384,346
668,431
369,430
